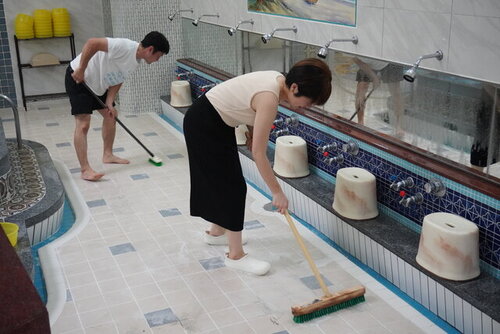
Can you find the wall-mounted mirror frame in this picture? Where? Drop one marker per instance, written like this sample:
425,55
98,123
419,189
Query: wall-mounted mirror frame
448,116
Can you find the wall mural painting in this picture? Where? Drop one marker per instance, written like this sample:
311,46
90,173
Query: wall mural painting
332,11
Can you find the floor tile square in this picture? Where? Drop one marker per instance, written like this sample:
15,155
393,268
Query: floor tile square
130,116
65,144
136,177
170,212
4,120
121,249
75,170
96,203
252,224
175,156
52,124
150,134
212,263
43,108
97,129
160,317
118,149
312,283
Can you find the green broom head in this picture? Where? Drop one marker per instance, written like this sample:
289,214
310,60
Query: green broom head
327,310
155,161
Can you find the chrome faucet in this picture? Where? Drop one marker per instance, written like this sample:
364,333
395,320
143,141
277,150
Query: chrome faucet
351,147
407,183
195,22
231,31
207,87
323,52
410,74
328,147
337,160
291,121
435,187
171,16
266,37
184,74
281,132
418,198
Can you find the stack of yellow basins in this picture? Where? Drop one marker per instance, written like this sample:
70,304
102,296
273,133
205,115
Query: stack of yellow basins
43,23
24,26
61,22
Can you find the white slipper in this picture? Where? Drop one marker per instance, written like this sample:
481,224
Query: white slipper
220,240
248,264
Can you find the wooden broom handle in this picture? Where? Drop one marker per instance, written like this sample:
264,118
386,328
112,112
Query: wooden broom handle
307,255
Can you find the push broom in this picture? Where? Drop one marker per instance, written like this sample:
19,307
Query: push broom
330,302
153,158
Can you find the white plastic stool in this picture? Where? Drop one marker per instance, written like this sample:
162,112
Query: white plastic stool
290,157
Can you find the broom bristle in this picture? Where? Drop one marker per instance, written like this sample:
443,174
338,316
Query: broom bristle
327,310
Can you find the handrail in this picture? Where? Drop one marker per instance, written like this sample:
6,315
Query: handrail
16,119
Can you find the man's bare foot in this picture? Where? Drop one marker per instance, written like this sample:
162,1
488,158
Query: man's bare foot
91,175
113,159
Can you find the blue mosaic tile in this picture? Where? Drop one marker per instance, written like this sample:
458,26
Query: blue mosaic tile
160,317
212,263
122,248
175,156
66,144
136,177
96,203
170,212
52,124
118,149
312,283
150,134
252,224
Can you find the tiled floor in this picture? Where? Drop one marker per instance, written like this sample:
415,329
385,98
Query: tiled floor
140,265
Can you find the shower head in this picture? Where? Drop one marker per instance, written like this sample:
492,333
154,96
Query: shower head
195,22
266,37
171,16
323,52
410,74
231,31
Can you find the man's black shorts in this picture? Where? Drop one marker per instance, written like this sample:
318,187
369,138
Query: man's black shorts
82,101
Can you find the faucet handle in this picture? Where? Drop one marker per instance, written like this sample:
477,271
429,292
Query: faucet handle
407,183
435,187
339,159
351,147
418,198
328,147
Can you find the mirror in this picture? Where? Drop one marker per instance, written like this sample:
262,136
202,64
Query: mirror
453,117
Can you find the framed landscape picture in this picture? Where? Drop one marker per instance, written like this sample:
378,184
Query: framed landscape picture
331,11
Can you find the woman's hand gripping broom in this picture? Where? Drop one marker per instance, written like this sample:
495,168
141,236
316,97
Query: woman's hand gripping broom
330,302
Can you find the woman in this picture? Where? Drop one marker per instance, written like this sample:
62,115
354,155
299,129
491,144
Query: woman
218,189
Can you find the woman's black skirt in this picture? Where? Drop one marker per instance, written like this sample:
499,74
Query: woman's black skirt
218,189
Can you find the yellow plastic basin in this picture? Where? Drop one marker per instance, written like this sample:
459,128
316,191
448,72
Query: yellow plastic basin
10,230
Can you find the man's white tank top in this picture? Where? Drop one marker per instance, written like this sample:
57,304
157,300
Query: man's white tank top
232,98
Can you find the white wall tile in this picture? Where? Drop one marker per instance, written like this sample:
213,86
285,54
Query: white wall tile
477,8
441,301
409,280
388,266
477,323
370,27
467,313
436,6
450,308
415,274
459,317
424,290
410,34
473,49
395,269
433,297
402,275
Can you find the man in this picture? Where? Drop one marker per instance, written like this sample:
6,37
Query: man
103,66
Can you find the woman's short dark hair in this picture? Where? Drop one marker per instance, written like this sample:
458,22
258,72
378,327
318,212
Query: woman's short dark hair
313,78
157,40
